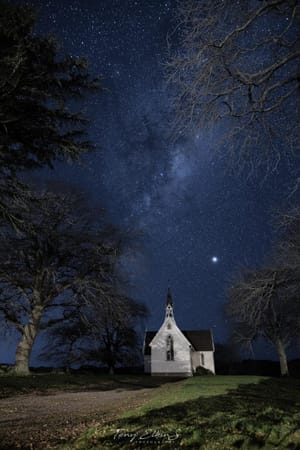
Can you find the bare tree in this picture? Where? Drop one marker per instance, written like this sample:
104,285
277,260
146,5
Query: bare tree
114,332
265,303
116,340
237,68
65,340
106,332
288,249
62,261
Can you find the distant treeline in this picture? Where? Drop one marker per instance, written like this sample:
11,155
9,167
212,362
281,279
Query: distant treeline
245,367
257,367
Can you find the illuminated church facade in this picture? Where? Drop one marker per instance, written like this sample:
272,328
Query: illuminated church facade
174,352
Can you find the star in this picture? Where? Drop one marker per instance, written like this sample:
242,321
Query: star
215,259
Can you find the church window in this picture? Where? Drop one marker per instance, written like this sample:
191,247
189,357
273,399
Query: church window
202,359
169,326
170,348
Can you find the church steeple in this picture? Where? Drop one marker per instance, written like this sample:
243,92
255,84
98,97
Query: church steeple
169,298
169,307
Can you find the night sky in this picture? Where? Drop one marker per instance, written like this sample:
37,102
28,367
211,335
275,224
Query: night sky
199,223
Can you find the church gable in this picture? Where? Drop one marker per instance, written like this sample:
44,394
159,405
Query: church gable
170,353
169,332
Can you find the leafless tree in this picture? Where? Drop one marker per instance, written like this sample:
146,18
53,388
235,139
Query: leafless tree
265,303
63,261
237,68
106,332
63,341
116,339
288,249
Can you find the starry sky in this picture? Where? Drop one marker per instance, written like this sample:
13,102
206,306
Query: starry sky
198,223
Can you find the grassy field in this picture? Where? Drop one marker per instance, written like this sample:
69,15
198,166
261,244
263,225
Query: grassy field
210,413
11,385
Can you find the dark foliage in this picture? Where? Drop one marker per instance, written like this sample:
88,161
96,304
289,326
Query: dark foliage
202,371
39,122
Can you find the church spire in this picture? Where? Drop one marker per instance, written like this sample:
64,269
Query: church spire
169,298
169,306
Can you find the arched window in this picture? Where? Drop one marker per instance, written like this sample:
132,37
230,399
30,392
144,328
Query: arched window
170,348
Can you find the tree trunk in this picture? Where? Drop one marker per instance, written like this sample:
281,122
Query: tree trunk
27,340
282,358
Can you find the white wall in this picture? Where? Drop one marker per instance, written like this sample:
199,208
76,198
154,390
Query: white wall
181,364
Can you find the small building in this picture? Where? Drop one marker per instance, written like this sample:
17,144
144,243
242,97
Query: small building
174,352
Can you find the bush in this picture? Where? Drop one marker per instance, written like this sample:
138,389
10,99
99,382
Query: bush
202,371
6,368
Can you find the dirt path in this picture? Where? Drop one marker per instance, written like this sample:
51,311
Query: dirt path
45,421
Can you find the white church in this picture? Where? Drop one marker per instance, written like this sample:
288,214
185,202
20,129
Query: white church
174,352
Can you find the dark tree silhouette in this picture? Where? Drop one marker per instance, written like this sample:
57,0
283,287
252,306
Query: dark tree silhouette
116,337
39,122
65,260
105,333
265,303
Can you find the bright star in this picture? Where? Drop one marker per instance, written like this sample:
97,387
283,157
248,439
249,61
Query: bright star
215,259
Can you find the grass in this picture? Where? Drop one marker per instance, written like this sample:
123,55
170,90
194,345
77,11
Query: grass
209,413
11,385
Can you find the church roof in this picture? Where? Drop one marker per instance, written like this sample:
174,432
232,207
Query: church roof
201,340
149,335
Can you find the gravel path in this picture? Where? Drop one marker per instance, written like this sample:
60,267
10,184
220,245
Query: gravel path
35,421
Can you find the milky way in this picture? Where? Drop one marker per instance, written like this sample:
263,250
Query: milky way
176,193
